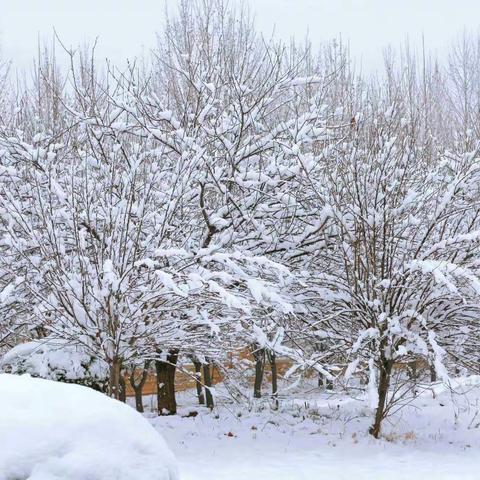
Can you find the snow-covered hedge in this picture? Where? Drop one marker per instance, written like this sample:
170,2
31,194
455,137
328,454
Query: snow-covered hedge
56,360
52,430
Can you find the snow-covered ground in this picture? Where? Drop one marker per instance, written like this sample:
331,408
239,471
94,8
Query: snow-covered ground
323,436
54,431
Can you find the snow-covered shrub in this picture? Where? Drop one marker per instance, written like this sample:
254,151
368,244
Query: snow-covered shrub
52,430
56,360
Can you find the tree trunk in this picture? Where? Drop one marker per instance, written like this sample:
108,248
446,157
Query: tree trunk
273,367
139,399
138,387
413,375
259,356
123,389
412,371
383,386
324,381
198,382
114,379
207,381
166,402
433,373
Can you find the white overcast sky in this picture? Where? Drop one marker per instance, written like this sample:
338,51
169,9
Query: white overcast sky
125,27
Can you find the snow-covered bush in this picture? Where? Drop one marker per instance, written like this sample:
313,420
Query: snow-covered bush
56,360
51,430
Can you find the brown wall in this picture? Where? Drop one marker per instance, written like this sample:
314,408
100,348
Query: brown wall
185,380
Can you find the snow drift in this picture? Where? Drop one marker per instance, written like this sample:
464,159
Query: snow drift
56,431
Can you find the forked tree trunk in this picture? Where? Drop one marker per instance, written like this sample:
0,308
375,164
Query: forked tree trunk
383,386
273,367
166,401
114,378
198,382
207,381
138,386
259,356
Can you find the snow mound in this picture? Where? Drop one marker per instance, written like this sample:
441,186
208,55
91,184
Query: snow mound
57,431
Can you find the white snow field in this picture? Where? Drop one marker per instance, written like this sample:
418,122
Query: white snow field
57,431
324,436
